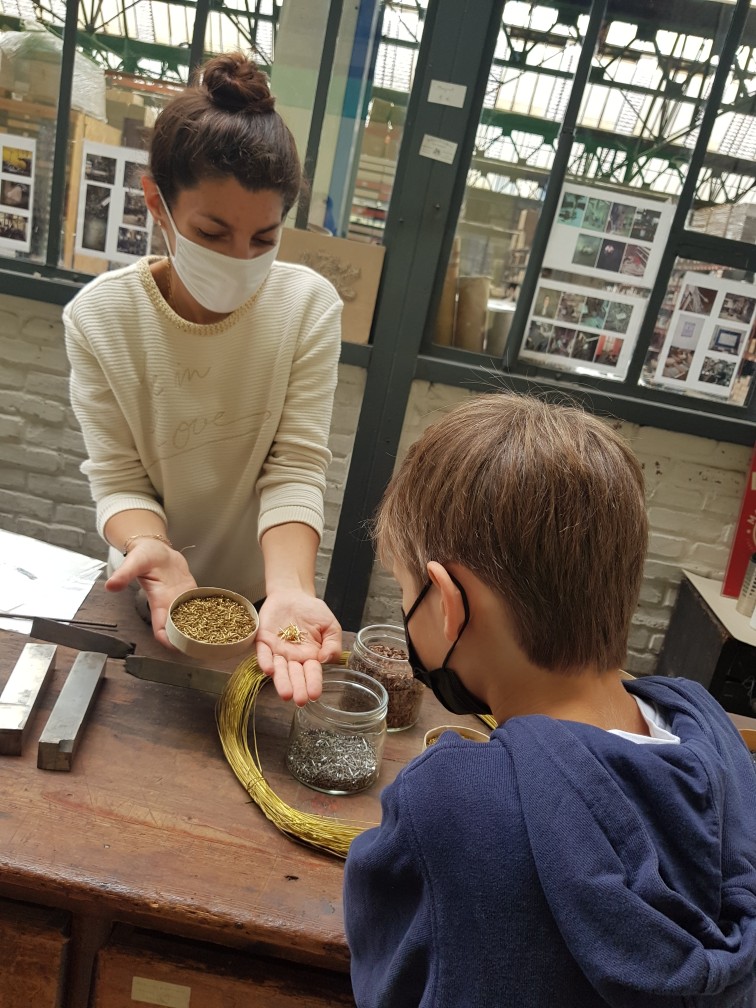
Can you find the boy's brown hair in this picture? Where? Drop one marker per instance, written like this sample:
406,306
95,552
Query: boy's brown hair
545,504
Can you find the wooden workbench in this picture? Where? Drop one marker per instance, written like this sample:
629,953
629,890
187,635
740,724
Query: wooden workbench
151,830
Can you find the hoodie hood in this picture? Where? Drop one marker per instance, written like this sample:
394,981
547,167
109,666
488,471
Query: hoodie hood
660,840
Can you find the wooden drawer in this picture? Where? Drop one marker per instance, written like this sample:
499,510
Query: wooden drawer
138,968
34,944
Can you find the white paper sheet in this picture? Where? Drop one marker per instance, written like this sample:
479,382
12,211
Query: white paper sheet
37,579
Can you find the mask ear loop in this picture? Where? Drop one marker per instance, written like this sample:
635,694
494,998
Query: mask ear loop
168,215
423,592
466,605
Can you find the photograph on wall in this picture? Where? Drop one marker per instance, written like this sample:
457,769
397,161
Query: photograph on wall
706,335
582,328
597,236
16,191
113,220
608,236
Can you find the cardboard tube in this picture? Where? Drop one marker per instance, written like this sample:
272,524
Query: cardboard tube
472,307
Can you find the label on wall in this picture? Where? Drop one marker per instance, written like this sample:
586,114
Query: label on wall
16,191
599,236
113,220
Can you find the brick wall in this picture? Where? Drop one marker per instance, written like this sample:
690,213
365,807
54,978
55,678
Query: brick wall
694,484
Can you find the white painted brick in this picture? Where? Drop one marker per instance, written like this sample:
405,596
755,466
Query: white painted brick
14,479
666,546
12,377
10,427
708,479
31,406
21,504
651,593
713,558
655,643
638,638
60,489
43,327
641,664
706,529
653,442
40,460
679,498
49,386
77,515
58,535
28,354
725,504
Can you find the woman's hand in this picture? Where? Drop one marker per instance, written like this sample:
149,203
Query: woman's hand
296,667
162,572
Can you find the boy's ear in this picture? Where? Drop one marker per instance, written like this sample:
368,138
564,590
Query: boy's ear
452,606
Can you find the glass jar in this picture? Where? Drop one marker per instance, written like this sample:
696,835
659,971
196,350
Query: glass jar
381,652
336,742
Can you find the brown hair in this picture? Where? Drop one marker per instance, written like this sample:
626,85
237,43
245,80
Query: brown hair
545,504
225,124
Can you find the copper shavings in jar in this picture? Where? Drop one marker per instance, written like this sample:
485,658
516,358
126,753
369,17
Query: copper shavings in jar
214,619
332,762
390,667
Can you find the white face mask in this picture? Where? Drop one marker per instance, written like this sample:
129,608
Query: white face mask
218,282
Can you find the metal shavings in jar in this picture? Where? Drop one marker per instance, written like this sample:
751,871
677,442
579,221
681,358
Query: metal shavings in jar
332,762
292,633
214,619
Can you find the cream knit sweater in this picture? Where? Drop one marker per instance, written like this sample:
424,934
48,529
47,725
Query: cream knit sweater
222,429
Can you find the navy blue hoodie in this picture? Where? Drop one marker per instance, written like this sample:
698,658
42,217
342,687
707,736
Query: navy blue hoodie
562,865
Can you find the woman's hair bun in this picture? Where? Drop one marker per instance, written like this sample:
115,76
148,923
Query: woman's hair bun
234,82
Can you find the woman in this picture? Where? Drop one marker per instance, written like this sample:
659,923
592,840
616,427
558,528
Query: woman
203,382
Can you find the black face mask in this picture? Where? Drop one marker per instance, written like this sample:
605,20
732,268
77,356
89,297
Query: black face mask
447,687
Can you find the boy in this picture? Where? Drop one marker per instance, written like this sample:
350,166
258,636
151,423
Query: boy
600,848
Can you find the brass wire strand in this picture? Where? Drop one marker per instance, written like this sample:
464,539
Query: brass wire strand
233,712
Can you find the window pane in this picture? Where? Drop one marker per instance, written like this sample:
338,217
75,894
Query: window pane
383,118
30,59
725,202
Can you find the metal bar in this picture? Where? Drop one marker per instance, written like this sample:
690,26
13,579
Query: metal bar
22,694
319,107
63,732
70,622
62,122
197,47
175,674
80,638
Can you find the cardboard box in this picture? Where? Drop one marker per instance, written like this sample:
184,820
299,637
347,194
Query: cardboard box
143,967
380,111
375,140
354,269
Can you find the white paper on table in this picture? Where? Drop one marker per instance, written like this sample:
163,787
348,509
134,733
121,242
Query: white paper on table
42,580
